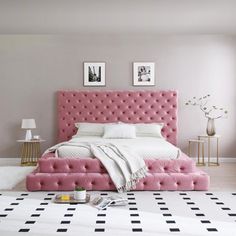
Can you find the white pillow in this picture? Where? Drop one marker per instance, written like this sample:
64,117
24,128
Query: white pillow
149,130
89,129
119,131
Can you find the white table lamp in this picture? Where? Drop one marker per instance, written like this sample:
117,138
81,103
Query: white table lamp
28,124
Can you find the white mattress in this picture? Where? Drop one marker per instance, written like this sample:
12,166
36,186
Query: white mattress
146,147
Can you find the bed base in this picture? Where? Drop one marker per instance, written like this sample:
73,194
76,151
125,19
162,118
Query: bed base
63,174
197,180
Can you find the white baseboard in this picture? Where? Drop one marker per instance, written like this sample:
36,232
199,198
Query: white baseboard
10,161
16,161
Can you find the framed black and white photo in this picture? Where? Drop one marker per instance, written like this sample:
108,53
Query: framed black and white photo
143,73
94,74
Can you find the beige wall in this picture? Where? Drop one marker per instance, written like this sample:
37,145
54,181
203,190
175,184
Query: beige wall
33,68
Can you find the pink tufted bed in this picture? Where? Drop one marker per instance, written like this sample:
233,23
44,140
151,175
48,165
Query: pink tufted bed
112,106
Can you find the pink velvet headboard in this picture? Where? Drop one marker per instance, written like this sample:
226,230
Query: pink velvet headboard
113,106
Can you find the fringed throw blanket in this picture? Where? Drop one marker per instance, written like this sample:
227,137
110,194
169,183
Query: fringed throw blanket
124,166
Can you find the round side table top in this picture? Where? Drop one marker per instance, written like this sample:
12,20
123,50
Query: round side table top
30,141
196,141
207,136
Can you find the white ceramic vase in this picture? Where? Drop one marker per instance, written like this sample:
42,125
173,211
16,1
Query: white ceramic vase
80,195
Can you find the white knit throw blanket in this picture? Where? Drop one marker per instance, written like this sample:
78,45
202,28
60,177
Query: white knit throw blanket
124,166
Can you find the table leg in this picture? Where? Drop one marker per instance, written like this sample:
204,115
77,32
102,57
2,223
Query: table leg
203,161
189,143
217,152
38,152
22,153
198,153
209,150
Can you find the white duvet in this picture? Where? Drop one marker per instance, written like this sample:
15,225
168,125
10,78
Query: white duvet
146,147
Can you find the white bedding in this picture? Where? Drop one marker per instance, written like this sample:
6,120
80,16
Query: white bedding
146,147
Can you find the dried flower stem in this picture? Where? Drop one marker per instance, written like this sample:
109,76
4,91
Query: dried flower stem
208,110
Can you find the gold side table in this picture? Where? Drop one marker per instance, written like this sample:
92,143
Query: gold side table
30,152
199,144
209,139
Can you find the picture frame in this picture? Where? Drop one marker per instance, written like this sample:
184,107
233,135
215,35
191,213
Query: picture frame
94,74
143,74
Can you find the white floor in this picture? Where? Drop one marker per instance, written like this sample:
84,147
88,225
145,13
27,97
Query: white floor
148,213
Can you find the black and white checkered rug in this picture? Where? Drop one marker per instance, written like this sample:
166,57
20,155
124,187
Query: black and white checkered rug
148,213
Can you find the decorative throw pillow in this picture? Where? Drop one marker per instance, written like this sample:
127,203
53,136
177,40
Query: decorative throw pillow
119,131
89,129
149,130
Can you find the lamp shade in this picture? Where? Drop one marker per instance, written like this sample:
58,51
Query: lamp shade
28,124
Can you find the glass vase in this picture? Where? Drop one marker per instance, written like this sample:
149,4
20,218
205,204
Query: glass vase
211,130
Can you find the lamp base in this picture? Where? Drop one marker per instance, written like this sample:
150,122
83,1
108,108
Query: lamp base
28,135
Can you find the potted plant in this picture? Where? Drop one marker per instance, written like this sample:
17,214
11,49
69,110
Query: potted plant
211,112
79,193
